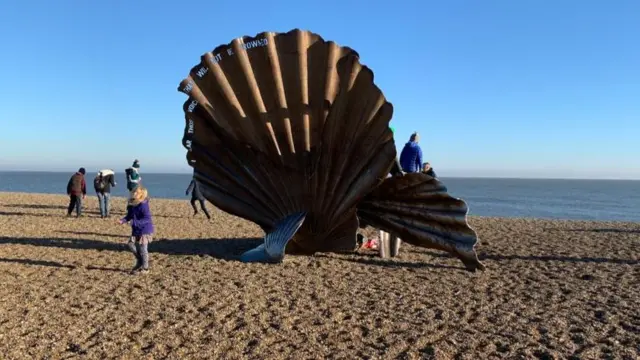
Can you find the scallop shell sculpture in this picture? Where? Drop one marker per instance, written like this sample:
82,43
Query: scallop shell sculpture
289,131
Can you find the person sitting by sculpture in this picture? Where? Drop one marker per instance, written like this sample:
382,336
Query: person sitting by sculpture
411,155
427,169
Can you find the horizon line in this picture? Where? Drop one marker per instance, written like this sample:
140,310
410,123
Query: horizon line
444,177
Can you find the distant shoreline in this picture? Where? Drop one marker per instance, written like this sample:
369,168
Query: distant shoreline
443,177
64,200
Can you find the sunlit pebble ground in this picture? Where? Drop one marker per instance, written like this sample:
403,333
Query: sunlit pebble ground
553,289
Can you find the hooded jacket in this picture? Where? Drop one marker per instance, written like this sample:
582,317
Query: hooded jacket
411,157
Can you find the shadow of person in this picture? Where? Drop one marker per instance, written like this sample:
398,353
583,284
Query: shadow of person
37,262
225,248
36,206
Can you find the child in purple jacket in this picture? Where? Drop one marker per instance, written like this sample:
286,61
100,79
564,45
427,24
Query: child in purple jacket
142,229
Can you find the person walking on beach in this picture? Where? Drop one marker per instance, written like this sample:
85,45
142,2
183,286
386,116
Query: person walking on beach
196,195
427,169
142,228
102,185
133,175
411,155
77,191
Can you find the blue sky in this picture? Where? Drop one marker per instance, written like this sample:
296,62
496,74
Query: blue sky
504,88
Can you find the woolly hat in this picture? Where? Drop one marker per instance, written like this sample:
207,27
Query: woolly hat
136,164
82,171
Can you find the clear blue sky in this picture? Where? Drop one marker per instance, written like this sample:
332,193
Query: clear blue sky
506,88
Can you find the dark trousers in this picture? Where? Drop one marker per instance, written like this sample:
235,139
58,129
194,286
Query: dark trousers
75,201
202,206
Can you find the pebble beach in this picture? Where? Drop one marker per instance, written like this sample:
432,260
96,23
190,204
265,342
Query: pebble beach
553,289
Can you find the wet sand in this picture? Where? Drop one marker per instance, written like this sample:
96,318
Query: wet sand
553,289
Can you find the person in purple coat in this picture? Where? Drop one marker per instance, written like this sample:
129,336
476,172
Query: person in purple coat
142,229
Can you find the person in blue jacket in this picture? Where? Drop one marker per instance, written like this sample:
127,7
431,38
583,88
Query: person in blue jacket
411,155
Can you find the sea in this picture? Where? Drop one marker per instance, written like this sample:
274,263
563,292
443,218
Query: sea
604,200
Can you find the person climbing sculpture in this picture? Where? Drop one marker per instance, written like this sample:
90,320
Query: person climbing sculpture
196,195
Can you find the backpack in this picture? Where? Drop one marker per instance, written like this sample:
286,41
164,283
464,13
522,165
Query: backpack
99,183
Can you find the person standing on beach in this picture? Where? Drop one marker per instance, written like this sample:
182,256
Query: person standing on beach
102,184
196,195
427,169
77,191
133,175
411,155
142,228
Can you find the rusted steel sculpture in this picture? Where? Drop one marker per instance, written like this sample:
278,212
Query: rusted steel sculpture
289,131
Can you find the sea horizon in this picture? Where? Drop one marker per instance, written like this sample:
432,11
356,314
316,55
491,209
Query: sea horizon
443,177
566,199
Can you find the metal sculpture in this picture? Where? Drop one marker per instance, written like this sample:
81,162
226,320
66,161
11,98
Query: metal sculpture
289,131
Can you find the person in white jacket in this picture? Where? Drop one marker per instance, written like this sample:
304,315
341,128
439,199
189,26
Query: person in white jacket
102,185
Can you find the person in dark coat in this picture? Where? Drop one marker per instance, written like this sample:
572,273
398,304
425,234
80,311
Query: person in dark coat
427,169
196,195
77,191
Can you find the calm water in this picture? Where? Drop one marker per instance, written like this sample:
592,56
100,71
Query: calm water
555,199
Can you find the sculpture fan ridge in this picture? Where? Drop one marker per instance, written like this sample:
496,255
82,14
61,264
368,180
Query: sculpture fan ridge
288,122
289,131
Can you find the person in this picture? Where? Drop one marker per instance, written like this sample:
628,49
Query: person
142,228
133,175
396,169
77,191
102,185
411,155
427,169
196,195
